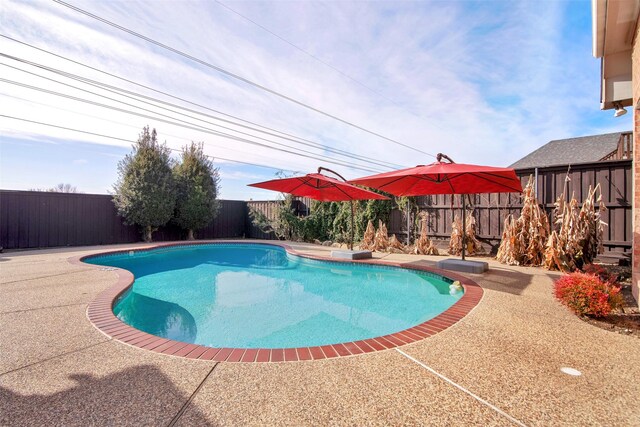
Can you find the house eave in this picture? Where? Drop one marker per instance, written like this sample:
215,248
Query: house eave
614,24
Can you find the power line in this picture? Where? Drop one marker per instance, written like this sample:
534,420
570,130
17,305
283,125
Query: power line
233,75
129,140
353,79
142,85
117,122
135,96
328,148
172,117
187,126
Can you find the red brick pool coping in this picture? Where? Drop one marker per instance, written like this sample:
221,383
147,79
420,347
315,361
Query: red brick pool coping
100,313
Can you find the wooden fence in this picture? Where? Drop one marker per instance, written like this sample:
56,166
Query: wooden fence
39,219
33,219
269,208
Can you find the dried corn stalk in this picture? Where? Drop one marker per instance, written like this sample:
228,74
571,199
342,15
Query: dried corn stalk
424,246
592,226
395,246
523,239
368,238
381,241
473,245
577,238
455,243
511,248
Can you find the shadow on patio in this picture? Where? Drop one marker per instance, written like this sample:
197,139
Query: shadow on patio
136,396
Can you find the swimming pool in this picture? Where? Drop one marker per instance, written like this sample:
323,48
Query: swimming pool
260,296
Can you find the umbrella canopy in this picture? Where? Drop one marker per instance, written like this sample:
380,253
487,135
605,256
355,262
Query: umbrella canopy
319,187
444,178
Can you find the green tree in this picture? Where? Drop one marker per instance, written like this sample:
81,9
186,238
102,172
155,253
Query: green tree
145,192
197,184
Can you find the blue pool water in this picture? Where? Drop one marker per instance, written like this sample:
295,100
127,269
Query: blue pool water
259,296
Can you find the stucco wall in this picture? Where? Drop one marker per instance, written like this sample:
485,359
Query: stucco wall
636,166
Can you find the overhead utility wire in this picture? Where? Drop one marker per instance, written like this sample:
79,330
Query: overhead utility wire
307,53
196,127
142,85
172,117
189,102
189,124
233,75
57,107
135,96
129,140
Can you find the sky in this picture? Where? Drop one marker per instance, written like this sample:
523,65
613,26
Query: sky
291,85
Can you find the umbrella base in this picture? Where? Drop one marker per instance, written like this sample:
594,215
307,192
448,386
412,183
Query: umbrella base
475,267
351,254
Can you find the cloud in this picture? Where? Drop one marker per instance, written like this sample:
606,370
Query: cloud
482,82
243,176
80,161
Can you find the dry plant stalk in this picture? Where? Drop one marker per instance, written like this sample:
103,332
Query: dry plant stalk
523,239
424,246
511,250
577,239
455,243
395,246
562,247
473,245
368,238
592,226
381,241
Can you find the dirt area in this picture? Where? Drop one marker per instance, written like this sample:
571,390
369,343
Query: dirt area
627,320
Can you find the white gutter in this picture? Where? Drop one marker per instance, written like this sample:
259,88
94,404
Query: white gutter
598,20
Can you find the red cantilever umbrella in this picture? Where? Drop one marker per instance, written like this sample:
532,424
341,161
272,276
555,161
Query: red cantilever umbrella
321,187
445,178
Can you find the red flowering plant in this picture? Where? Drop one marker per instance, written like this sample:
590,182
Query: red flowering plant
587,294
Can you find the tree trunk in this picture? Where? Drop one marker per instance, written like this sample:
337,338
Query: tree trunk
190,235
147,234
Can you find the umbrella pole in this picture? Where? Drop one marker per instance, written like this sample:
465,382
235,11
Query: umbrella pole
464,225
352,215
408,223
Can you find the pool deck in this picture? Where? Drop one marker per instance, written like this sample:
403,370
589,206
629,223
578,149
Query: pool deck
499,365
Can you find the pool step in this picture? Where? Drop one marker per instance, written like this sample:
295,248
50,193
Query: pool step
351,254
475,267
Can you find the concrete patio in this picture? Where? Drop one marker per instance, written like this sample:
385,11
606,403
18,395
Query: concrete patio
500,365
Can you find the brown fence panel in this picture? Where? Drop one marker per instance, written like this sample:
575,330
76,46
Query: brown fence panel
267,208
229,223
301,207
33,219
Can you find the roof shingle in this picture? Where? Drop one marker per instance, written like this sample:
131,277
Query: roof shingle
583,149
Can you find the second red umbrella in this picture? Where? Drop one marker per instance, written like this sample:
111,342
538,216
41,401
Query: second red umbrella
323,188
